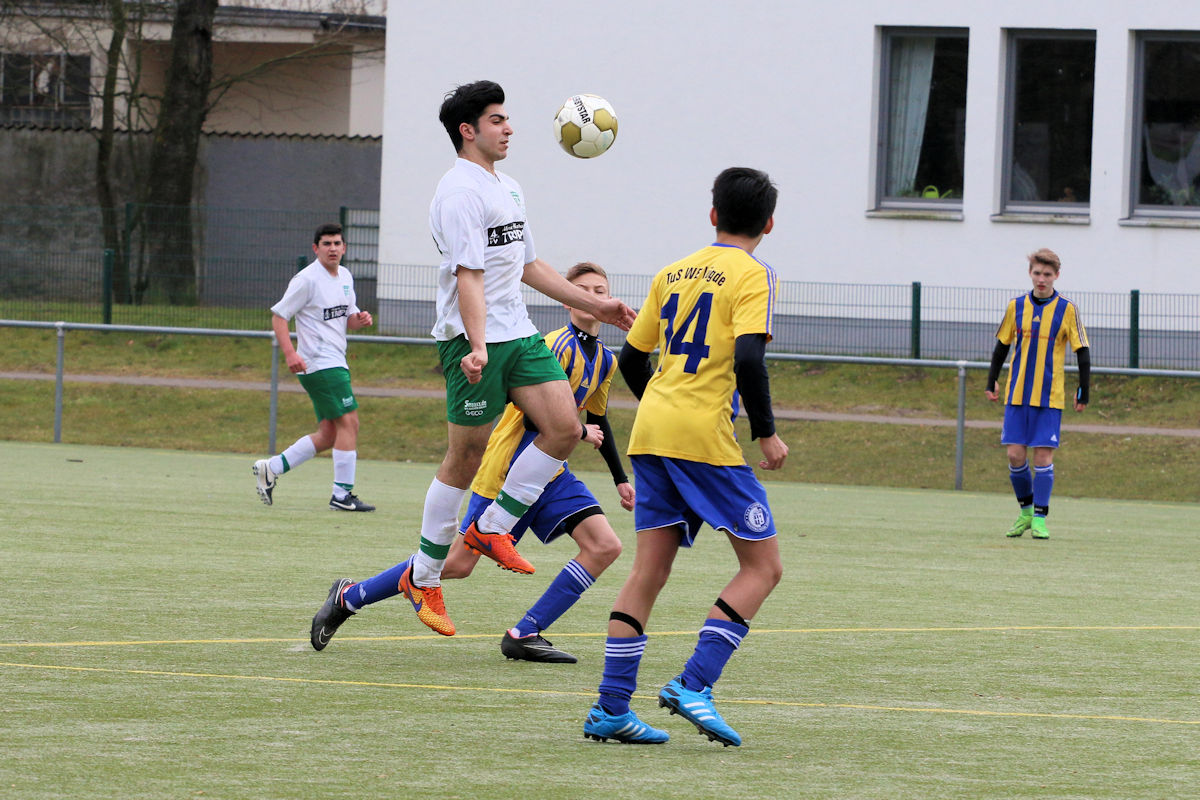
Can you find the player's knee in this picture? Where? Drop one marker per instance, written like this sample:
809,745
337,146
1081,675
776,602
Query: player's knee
774,573
603,550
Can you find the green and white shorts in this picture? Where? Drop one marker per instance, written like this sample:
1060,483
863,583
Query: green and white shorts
330,392
521,362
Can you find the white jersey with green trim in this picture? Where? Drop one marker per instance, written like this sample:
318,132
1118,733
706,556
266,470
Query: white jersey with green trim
320,302
478,221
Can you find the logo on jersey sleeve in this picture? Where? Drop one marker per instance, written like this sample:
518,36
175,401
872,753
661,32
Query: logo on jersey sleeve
506,234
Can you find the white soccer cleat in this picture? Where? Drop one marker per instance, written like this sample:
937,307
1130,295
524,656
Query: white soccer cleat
265,479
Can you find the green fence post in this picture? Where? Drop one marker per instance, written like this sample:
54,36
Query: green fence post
1134,302
110,258
342,211
916,320
301,263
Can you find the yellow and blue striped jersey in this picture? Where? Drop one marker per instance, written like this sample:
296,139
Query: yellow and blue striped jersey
693,314
1041,332
590,380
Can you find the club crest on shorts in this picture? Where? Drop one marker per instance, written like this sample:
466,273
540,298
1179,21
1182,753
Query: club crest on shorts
757,517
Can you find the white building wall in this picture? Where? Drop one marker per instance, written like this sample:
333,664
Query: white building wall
788,87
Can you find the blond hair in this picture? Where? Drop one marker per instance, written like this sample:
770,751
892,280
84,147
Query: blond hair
1046,257
583,268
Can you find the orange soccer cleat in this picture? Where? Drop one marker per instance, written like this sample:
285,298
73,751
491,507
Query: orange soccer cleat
499,547
427,602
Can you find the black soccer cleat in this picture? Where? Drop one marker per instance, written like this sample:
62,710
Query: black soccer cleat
349,503
533,648
331,615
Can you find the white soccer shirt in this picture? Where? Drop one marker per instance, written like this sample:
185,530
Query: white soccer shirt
320,302
478,222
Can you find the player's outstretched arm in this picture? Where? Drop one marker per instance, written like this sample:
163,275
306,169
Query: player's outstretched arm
545,279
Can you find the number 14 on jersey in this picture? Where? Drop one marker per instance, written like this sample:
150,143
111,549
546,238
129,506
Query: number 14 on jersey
696,321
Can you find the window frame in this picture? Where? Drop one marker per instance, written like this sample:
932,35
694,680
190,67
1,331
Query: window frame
1137,118
1079,211
883,203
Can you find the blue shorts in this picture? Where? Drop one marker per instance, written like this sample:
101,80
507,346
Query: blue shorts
565,496
672,491
1031,426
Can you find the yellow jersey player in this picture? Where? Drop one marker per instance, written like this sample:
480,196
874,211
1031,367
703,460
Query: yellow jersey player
710,317
1041,324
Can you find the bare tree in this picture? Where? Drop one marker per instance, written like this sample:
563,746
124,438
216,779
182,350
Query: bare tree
164,241
176,147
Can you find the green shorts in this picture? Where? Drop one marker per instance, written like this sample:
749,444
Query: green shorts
330,392
521,362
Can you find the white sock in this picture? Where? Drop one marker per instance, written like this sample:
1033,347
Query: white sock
439,527
301,450
343,472
527,478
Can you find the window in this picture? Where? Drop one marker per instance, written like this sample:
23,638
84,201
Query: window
1166,133
922,120
1048,139
45,88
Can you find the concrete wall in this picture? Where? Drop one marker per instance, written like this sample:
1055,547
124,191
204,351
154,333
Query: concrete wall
789,87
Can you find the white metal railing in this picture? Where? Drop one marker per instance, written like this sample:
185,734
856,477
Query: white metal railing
960,367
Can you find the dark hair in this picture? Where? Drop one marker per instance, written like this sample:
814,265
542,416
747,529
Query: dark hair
585,268
328,229
744,199
466,104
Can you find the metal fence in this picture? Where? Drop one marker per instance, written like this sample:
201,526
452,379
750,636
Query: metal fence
60,329
54,266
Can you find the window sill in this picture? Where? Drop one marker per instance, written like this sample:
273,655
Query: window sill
914,213
1044,219
1160,222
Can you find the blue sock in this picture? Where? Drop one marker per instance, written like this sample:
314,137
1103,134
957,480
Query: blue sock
622,657
718,639
1043,485
1022,483
384,585
562,593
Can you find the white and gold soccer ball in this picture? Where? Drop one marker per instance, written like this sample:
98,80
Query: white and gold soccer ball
585,126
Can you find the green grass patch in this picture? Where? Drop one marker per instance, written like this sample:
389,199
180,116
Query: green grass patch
1113,465
911,651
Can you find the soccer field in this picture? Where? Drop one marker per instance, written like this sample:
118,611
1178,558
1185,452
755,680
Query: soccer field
156,645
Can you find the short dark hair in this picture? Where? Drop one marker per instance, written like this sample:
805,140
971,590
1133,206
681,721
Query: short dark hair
744,199
467,103
328,229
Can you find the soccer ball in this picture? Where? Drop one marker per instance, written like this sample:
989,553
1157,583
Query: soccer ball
585,126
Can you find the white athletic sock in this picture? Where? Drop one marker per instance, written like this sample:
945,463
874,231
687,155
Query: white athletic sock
439,527
527,478
343,472
301,450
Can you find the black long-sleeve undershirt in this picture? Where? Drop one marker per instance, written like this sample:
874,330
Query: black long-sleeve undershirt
608,449
753,384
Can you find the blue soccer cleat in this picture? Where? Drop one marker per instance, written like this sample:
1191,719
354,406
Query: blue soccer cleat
625,728
697,708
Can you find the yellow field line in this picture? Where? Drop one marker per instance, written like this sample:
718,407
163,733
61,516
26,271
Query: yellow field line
599,634
493,689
